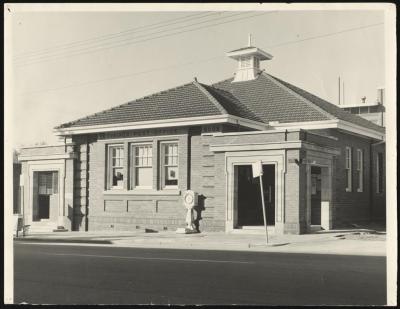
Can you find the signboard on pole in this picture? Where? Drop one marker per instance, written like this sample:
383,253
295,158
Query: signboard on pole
257,169
258,172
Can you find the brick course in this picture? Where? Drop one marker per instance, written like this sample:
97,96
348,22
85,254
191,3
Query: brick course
204,172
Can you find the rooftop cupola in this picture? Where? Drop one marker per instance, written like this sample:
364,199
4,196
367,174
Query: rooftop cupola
248,59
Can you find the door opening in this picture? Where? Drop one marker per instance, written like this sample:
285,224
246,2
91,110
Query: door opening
315,195
249,205
45,195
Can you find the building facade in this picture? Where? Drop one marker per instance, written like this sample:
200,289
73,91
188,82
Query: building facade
127,168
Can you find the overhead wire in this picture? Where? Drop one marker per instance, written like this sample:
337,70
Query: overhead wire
82,52
201,61
120,33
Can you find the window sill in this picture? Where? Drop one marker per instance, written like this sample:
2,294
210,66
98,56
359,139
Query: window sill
143,192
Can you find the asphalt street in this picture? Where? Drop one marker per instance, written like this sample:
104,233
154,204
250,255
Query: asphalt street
71,274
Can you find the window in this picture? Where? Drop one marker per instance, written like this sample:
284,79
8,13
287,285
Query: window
116,167
48,183
256,62
245,62
355,110
373,109
379,173
348,169
170,165
142,166
360,169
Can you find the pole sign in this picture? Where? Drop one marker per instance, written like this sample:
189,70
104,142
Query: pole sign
257,169
258,172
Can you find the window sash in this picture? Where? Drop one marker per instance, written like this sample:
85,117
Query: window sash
360,169
348,162
170,169
48,183
245,62
116,167
144,177
142,166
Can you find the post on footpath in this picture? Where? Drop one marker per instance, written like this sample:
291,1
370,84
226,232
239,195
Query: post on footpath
258,172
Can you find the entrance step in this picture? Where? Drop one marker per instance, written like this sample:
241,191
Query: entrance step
42,227
253,230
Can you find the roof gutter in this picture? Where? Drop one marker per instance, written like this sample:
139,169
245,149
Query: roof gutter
334,123
178,122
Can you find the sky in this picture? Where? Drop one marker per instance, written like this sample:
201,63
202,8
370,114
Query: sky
66,65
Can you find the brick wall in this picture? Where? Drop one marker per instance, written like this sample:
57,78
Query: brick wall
354,206
204,172
80,193
295,195
133,209
207,177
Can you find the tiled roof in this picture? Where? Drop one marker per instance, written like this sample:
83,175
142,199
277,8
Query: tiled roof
332,109
275,100
231,104
264,99
270,101
180,102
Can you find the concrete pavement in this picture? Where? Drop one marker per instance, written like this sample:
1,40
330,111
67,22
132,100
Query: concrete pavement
356,241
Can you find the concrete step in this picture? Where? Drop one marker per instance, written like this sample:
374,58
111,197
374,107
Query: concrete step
253,230
42,227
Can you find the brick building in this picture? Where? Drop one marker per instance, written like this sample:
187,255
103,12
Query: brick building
126,168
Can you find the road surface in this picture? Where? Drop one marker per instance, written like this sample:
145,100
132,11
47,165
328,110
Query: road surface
71,274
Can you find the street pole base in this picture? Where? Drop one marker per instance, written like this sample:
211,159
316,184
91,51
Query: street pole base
60,229
271,244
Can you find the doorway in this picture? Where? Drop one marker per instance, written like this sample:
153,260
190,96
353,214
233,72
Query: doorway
316,195
248,196
45,204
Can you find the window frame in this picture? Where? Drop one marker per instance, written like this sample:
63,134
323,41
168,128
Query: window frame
245,62
379,176
163,166
348,168
134,167
110,167
360,170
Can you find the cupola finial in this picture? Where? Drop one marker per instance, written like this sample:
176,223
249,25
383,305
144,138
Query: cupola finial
249,42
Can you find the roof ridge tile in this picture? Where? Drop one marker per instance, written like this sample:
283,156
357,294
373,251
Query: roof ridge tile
210,97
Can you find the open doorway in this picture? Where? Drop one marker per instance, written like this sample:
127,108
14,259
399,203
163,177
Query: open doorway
248,196
45,196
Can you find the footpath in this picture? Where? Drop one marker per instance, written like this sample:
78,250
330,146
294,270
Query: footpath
355,241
